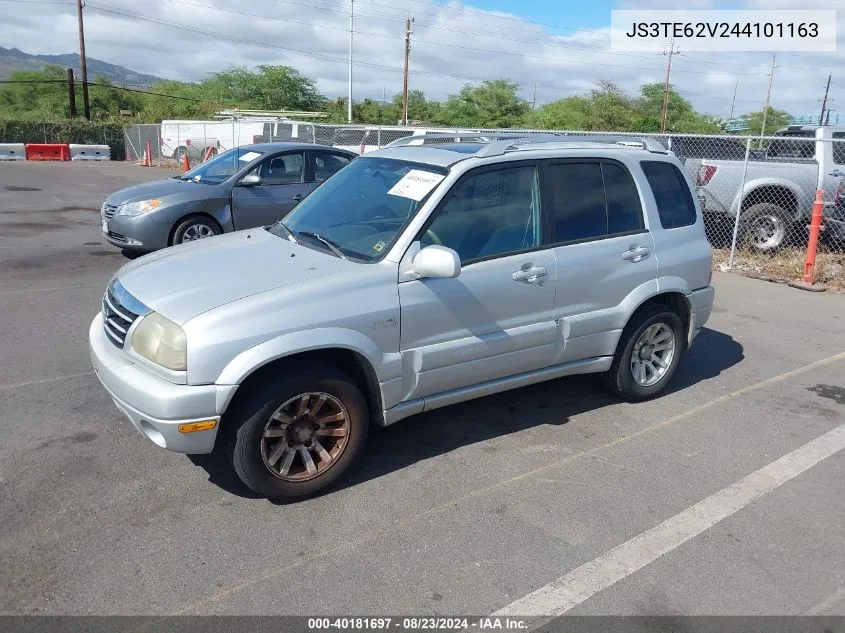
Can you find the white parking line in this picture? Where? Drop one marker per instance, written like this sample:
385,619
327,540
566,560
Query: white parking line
580,584
40,382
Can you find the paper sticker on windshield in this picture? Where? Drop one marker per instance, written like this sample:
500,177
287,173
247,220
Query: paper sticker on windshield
249,156
379,246
416,184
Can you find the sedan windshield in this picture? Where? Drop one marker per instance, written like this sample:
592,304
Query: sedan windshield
362,209
222,167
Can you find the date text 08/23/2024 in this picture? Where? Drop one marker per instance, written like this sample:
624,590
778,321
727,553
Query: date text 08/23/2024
487,623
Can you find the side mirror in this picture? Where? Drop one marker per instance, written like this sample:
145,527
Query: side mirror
251,180
437,262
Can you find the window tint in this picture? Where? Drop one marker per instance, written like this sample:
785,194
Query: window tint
282,170
326,164
624,211
490,213
579,204
674,200
839,148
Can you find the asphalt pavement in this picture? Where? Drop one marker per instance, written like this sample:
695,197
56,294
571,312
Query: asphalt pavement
722,497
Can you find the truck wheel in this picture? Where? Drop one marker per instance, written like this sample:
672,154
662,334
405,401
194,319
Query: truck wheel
298,433
180,151
765,227
194,228
648,354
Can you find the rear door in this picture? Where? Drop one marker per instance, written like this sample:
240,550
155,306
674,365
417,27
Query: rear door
604,252
324,163
283,186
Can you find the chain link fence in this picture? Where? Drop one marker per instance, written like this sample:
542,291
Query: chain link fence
756,193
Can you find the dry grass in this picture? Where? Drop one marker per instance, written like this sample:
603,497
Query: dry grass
784,266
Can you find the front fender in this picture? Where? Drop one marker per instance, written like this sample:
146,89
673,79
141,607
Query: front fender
386,366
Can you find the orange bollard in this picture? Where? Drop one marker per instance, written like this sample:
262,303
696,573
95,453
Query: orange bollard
186,164
808,280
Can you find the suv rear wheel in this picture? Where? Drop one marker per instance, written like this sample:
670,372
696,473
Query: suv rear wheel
648,354
295,435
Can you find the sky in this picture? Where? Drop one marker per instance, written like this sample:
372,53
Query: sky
550,48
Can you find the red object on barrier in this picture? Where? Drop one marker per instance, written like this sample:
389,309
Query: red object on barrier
813,243
47,151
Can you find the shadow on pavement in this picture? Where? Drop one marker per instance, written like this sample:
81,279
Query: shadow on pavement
437,432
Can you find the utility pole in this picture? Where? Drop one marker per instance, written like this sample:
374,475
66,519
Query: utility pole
534,101
733,103
824,101
83,65
405,74
665,114
71,92
351,31
768,97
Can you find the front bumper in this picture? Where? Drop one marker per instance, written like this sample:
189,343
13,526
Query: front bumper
154,406
139,232
701,306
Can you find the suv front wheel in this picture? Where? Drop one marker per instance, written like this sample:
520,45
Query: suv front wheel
297,434
648,354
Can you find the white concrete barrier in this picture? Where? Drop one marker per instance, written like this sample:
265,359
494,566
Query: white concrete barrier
12,151
90,152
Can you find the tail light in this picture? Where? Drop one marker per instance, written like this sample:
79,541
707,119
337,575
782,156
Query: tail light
705,174
187,141
256,139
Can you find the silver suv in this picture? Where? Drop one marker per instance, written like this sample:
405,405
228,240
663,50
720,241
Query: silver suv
414,278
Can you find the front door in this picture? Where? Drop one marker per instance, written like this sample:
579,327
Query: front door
282,187
496,318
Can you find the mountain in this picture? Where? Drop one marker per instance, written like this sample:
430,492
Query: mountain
12,59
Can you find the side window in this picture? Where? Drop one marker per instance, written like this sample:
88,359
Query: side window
326,164
580,211
624,211
674,200
839,148
490,213
282,170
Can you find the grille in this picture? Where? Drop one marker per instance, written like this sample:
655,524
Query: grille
117,318
109,210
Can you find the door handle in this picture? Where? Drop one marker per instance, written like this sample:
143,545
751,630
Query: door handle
635,253
530,274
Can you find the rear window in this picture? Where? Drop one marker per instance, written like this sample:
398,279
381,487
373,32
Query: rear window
673,197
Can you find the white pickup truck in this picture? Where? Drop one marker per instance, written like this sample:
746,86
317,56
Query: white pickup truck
777,197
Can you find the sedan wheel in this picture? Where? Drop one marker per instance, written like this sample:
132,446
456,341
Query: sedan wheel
196,232
653,354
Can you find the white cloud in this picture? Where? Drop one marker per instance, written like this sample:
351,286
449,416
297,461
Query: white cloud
450,46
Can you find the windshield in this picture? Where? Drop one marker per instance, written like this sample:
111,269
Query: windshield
222,167
362,209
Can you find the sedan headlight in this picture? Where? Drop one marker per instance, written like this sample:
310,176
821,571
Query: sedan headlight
138,208
161,341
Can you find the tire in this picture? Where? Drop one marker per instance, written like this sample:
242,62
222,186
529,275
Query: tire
620,377
765,227
178,153
193,228
276,468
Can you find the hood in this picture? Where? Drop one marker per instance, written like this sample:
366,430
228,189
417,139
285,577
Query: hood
181,282
155,189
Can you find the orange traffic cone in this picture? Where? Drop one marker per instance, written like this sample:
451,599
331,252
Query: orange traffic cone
186,165
146,161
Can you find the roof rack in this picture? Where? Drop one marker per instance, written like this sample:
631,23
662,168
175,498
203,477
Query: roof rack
460,136
497,148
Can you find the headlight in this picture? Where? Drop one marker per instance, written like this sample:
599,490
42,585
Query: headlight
161,341
138,208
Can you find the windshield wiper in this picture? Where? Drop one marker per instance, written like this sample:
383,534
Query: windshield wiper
287,230
331,245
